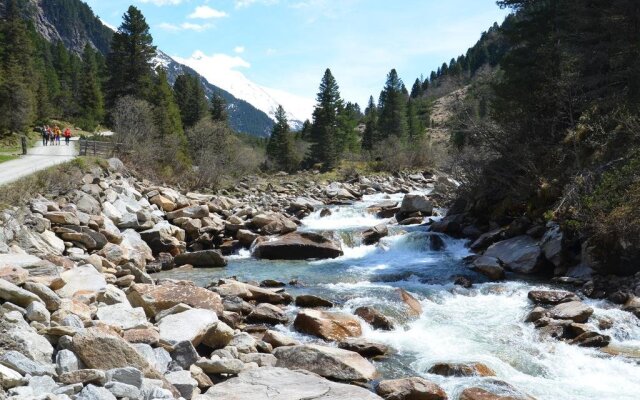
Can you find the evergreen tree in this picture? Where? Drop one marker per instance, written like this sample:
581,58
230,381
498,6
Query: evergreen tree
417,89
191,99
324,133
130,60
369,137
218,108
167,114
280,151
91,101
347,138
393,114
305,132
415,127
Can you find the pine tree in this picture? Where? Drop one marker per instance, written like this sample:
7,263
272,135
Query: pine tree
369,137
393,114
130,60
305,132
91,100
167,115
218,108
415,127
191,99
280,151
324,147
417,89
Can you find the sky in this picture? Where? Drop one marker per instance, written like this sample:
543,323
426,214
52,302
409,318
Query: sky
287,44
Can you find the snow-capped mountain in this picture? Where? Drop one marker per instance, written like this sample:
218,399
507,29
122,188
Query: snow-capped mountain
219,70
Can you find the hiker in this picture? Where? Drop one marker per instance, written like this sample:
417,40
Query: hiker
67,135
44,134
57,133
49,135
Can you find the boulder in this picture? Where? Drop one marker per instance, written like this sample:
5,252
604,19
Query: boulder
273,224
327,325
217,365
552,297
16,295
277,339
412,203
123,316
146,335
476,393
163,203
461,369
84,278
92,392
283,384
183,382
26,366
414,388
414,308
165,238
573,310
520,254
267,314
189,325
489,267
328,362
201,259
246,237
10,378
552,245
195,212
154,299
373,235
218,336
310,301
374,318
15,275
62,218
83,376
231,288
297,246
591,339
364,347
51,300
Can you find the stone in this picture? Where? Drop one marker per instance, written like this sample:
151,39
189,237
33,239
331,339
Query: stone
145,335
92,392
328,362
246,237
184,354
311,301
17,335
201,259
195,212
42,385
461,369
552,297
482,394
204,382
165,238
414,308
218,336
364,347
231,288
189,325
573,310
551,244
267,314
66,361
183,381
374,318
277,339
283,384
163,203
297,246
263,360
51,300
16,295
25,366
37,311
83,376
221,366
536,314
100,350
154,299
10,378
416,203
414,388
122,390
123,316
489,267
244,343
373,235
16,275
520,254
62,218
591,339
84,278
327,325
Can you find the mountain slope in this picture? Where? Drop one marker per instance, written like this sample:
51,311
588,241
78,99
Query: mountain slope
74,24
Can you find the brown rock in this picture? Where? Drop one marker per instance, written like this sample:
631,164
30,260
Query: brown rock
267,314
310,301
298,246
413,305
461,369
277,339
327,325
157,298
84,376
553,297
410,389
146,336
489,267
364,347
481,394
374,318
15,275
573,310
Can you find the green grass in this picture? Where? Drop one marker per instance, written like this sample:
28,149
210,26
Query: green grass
5,158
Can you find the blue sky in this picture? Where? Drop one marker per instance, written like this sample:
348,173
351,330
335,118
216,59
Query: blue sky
287,44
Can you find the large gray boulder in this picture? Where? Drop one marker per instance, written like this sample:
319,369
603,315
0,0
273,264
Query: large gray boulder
16,295
191,325
282,384
416,203
297,246
329,362
16,334
201,259
520,254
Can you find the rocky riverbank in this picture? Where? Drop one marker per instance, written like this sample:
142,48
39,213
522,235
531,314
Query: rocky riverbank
82,316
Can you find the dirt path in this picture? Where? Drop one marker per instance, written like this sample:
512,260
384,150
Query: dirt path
38,158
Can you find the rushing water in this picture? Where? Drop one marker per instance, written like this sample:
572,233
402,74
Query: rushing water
483,324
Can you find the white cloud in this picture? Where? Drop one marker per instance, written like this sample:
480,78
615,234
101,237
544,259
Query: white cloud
163,2
185,26
247,3
206,12
239,49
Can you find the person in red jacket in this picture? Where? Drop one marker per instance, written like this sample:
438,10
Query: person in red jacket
67,135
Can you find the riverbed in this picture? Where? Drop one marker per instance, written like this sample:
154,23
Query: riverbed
481,324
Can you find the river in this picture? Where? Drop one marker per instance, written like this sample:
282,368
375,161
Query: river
482,324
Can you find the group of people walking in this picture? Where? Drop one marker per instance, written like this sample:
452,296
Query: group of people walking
52,136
